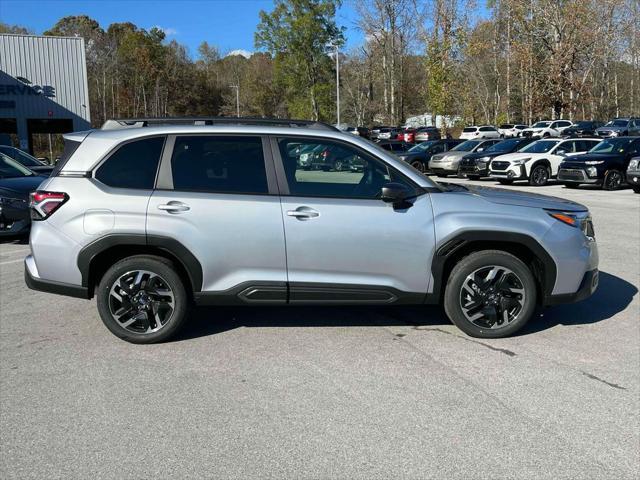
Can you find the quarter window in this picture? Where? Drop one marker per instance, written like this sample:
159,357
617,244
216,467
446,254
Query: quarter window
326,169
219,164
133,165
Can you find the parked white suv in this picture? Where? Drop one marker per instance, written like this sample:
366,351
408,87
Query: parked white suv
481,132
511,130
539,161
547,128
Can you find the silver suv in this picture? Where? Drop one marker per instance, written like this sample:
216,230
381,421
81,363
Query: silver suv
150,217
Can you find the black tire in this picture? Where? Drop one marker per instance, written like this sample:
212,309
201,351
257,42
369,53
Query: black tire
169,278
505,181
418,165
546,135
539,176
485,260
613,180
636,189
338,165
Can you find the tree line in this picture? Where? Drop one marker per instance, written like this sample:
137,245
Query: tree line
509,61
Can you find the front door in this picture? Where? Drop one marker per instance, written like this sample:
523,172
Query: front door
216,198
343,242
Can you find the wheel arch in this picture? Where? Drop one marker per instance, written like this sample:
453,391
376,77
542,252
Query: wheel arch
95,258
540,161
523,246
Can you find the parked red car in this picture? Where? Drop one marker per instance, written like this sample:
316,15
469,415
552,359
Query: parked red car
407,135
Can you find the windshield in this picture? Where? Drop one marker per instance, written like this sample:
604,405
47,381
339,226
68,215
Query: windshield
617,145
541,146
20,156
505,146
466,146
506,126
9,168
422,147
582,124
541,124
617,123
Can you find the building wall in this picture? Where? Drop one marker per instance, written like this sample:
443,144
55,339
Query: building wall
43,77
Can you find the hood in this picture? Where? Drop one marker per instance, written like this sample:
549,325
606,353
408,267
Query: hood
611,129
594,156
477,155
508,157
448,156
525,199
20,187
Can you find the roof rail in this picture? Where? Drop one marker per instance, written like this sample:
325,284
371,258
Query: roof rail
119,123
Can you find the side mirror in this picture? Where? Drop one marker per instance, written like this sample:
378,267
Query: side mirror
395,193
562,153
480,149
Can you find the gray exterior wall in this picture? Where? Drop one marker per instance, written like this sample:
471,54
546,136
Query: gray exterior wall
43,77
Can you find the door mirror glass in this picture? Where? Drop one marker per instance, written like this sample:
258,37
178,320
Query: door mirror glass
395,193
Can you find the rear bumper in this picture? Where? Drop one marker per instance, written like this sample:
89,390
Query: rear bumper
588,285
34,282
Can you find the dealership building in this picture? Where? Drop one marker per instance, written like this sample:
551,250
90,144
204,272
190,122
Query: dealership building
43,87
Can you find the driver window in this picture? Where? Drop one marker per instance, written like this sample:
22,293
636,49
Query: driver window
327,169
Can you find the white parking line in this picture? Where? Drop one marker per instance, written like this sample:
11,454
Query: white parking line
12,261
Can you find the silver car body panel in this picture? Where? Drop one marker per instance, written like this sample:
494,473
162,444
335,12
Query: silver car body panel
239,238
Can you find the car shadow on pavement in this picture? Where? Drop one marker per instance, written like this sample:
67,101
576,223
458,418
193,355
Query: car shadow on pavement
23,240
613,296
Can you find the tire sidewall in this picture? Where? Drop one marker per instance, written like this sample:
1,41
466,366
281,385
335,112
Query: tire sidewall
157,265
482,259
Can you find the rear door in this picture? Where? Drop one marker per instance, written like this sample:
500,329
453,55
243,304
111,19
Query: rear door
217,196
343,242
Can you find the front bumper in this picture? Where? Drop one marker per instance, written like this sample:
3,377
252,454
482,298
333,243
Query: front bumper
576,175
34,282
587,287
475,170
443,167
633,178
513,172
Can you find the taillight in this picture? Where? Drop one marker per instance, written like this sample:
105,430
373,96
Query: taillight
44,204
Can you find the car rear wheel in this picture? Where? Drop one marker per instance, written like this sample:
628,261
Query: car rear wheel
490,294
142,299
613,180
539,176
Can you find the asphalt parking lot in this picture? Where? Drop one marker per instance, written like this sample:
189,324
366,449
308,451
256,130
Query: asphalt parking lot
329,392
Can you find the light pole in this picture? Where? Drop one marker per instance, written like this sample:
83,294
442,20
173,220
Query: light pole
237,87
337,84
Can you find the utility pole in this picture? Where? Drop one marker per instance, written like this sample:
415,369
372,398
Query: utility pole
237,87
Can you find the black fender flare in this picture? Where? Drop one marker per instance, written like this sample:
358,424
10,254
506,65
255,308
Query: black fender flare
170,245
464,239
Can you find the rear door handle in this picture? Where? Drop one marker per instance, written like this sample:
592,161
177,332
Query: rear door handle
174,207
303,213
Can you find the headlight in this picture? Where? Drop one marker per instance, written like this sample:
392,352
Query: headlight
484,159
634,164
615,134
581,220
592,171
520,161
594,162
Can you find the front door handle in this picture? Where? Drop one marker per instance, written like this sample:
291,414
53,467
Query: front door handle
174,207
303,213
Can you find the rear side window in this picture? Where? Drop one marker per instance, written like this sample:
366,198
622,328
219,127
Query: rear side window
133,165
487,129
219,164
70,148
469,129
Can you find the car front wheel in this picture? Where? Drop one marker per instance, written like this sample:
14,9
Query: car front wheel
539,176
490,294
142,299
613,180
418,165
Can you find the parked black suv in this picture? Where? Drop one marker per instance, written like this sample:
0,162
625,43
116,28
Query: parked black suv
633,174
583,128
476,165
419,155
605,164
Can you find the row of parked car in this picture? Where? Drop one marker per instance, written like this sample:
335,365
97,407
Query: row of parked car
609,162
628,126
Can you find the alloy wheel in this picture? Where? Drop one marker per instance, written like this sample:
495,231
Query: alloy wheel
613,180
417,165
492,297
141,302
540,175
